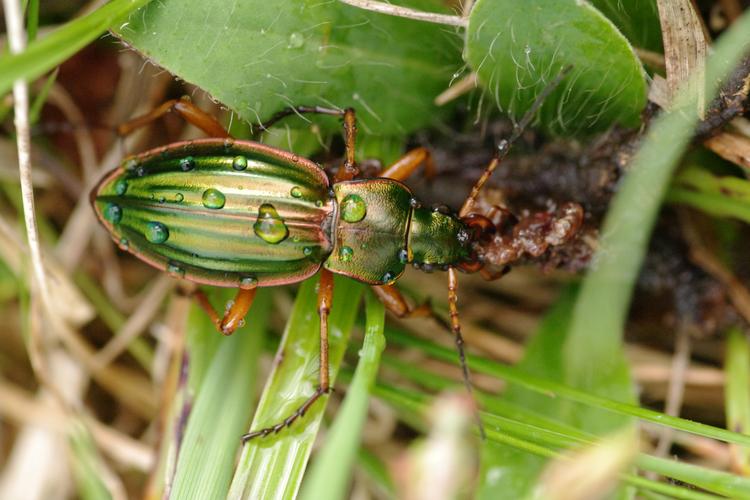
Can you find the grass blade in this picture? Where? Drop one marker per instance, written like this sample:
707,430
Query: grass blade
221,409
737,392
331,471
43,55
553,389
272,467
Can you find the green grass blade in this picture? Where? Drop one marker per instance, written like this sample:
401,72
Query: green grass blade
221,408
272,467
553,389
410,404
41,97
43,55
737,391
32,20
331,471
377,471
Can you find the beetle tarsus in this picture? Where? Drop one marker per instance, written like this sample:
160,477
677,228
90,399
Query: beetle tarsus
298,413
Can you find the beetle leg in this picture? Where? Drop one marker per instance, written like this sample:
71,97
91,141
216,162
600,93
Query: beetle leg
349,170
397,305
325,297
186,109
299,110
456,329
233,316
407,164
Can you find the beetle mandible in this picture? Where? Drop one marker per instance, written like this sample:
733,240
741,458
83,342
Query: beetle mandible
241,214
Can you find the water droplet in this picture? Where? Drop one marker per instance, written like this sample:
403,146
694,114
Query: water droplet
296,192
296,238
213,198
179,197
239,163
353,208
140,171
187,163
319,203
162,199
228,143
123,244
295,158
130,164
156,232
248,282
296,40
269,226
308,251
389,277
345,254
121,186
113,213
241,323
403,256
175,270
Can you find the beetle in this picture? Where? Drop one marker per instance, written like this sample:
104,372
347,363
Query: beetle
241,214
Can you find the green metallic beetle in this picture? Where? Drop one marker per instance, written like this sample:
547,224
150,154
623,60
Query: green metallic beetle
242,214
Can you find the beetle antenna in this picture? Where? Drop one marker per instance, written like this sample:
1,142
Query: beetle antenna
504,146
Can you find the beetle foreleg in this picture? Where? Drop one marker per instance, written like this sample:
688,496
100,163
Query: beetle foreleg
456,329
186,109
405,166
233,316
325,297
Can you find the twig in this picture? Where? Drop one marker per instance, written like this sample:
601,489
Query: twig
405,12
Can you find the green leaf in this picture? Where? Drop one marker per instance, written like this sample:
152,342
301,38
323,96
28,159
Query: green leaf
258,57
516,48
331,471
225,377
272,467
46,53
637,19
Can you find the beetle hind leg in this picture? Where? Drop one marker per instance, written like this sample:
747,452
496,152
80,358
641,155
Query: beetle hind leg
325,298
233,315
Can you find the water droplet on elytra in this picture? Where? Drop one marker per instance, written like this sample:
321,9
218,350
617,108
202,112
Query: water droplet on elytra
270,226
121,186
179,197
345,254
213,198
113,213
156,232
123,244
239,163
307,251
187,163
248,282
353,208
296,192
175,270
